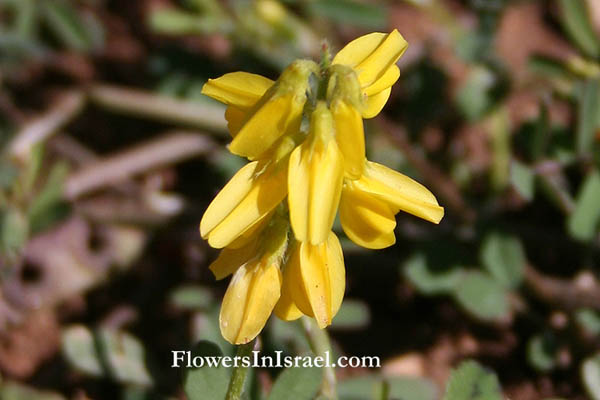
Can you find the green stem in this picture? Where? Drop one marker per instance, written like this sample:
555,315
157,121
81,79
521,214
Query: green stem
325,56
321,346
236,384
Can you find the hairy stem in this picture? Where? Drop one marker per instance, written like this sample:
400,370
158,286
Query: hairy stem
321,346
236,384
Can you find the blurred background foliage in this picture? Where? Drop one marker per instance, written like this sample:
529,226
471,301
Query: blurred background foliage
110,155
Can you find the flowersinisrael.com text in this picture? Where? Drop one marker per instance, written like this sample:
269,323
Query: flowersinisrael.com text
186,359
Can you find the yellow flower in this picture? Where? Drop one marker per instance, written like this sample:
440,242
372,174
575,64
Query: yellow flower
316,172
313,282
257,124
246,200
374,58
256,283
320,166
369,204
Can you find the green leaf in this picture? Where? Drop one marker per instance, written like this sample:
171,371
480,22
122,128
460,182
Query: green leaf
349,12
541,134
582,223
587,120
176,22
353,314
472,382
429,281
33,167
541,352
289,337
25,19
541,65
590,374
500,141
17,391
297,384
67,24
504,258
206,382
371,387
191,297
14,230
8,174
106,352
474,97
49,196
589,319
575,20
205,326
79,349
482,296
523,179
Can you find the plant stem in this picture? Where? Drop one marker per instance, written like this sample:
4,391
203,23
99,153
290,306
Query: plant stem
236,384
40,128
321,346
159,107
155,153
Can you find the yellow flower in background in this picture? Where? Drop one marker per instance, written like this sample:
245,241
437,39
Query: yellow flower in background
304,136
369,204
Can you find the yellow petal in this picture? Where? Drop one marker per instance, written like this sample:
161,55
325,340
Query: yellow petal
298,187
350,137
376,102
250,298
266,192
387,79
371,55
235,117
326,188
316,172
264,126
320,279
359,49
228,198
230,260
277,113
285,308
251,233
366,220
382,58
400,191
240,89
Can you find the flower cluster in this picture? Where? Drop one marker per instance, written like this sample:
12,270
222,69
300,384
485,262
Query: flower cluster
303,135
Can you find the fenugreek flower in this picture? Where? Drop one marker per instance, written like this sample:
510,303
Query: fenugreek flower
304,137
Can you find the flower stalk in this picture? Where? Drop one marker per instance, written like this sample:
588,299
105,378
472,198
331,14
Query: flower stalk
320,345
238,377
